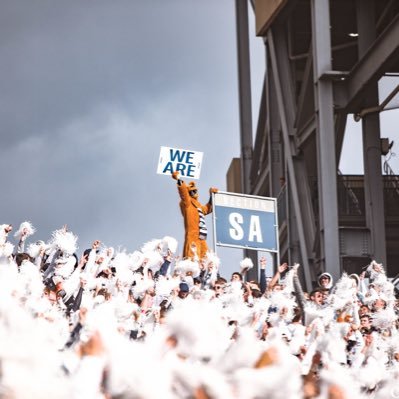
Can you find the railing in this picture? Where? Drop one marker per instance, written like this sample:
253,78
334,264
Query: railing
350,195
351,200
393,179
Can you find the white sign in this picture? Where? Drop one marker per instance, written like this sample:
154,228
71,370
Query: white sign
188,163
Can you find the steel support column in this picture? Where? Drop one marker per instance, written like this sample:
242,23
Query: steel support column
327,167
257,167
373,184
244,92
340,126
244,95
276,154
286,107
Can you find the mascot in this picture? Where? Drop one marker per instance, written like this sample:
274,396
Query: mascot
194,218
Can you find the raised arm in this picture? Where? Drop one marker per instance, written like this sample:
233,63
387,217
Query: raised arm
280,270
207,208
182,189
262,279
299,295
21,243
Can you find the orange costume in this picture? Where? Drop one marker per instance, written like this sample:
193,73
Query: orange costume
194,218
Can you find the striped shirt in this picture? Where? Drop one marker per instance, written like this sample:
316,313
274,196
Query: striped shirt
203,231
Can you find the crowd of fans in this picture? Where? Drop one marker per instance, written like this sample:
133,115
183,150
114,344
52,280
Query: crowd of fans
147,324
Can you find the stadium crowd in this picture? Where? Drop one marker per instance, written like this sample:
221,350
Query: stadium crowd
146,324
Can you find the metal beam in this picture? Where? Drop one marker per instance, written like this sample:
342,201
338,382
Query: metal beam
307,130
260,181
244,91
285,102
340,125
276,153
306,95
326,157
259,137
373,183
244,81
374,62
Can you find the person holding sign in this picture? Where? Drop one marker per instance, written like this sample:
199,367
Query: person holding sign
194,218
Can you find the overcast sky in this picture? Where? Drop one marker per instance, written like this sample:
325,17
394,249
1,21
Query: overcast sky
90,91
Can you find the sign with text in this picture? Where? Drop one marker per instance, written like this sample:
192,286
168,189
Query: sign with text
188,163
245,221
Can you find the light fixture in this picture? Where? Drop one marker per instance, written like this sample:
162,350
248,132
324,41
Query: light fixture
353,34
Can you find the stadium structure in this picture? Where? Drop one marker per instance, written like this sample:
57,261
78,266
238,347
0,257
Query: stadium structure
324,61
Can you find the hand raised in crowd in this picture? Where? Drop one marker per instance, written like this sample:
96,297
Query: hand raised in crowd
96,244
42,251
157,315
282,268
83,282
248,288
169,256
110,252
262,262
82,261
24,234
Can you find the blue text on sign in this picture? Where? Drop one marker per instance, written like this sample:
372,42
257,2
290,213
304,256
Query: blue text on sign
184,163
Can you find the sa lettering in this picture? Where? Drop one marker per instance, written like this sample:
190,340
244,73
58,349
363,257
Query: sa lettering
237,232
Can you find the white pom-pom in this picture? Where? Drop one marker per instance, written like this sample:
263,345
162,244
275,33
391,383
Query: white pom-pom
247,264
34,249
384,318
3,234
126,277
346,385
6,250
136,259
169,243
187,266
344,293
141,287
25,227
199,329
123,261
154,260
211,257
285,305
153,245
165,286
65,241
375,269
